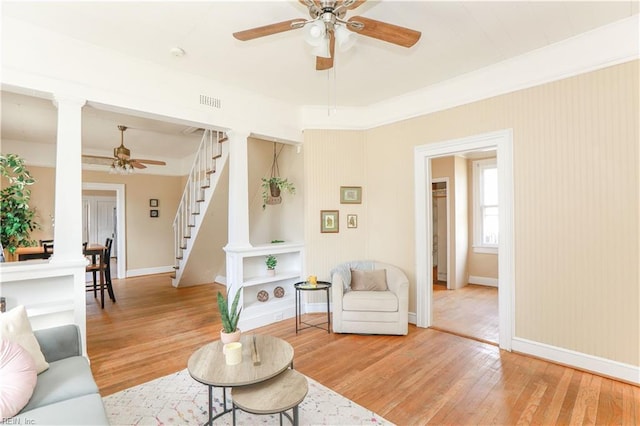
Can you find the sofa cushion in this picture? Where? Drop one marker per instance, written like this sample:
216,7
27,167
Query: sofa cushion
65,379
375,280
380,301
83,410
15,326
18,377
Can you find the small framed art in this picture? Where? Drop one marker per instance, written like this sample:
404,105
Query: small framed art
329,221
350,195
352,221
154,213
153,202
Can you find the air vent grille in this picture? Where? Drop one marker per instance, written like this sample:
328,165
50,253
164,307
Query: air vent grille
210,101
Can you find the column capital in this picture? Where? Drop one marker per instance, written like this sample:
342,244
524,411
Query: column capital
235,134
60,98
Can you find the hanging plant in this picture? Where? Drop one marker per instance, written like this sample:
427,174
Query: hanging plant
18,220
273,186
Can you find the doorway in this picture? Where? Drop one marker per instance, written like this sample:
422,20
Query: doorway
440,238
501,141
119,241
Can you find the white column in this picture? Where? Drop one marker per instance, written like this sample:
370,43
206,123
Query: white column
68,192
238,190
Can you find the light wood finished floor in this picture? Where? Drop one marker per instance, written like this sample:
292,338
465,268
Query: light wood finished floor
427,377
471,311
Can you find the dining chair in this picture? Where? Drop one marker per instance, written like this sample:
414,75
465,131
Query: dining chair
102,266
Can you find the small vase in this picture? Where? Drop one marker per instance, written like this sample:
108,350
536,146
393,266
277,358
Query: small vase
230,337
271,272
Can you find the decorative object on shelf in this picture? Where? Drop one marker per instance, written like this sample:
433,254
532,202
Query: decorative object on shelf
278,292
352,221
329,221
229,316
350,195
154,213
263,296
271,261
17,218
153,202
272,187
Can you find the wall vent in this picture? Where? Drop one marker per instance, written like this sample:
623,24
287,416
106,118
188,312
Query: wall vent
210,101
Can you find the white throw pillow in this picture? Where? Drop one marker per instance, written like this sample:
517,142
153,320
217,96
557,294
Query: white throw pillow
15,326
18,378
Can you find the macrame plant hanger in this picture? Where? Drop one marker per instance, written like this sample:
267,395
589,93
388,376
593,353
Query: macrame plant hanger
275,197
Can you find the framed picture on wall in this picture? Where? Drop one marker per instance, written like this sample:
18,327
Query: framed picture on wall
350,195
153,202
329,221
154,213
352,221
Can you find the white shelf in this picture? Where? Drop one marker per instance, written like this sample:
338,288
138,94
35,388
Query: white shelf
265,279
251,274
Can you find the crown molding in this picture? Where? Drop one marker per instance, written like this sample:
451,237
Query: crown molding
602,47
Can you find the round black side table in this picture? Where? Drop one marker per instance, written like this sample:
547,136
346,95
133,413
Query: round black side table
307,286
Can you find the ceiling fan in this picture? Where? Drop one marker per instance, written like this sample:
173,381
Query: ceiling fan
328,26
121,162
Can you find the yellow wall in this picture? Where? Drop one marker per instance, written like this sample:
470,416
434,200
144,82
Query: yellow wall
576,203
149,240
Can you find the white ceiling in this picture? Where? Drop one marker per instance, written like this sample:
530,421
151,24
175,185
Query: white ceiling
457,38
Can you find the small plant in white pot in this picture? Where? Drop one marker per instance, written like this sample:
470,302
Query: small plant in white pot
230,331
271,261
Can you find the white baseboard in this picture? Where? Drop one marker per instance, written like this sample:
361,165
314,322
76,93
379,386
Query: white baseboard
491,282
413,318
606,367
221,279
149,271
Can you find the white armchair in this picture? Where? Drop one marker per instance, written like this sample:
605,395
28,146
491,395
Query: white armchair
370,311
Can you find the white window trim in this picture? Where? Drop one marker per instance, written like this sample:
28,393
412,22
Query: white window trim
478,245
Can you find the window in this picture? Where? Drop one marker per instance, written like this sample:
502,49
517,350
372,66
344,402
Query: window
485,206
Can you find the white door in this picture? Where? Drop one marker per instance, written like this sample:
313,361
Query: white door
105,223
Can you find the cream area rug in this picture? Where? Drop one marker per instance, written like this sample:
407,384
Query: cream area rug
177,399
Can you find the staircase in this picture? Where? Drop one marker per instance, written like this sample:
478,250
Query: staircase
200,225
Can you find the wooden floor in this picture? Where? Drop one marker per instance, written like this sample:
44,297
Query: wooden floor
427,377
470,311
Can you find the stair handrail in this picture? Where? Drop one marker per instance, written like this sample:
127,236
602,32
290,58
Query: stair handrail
204,163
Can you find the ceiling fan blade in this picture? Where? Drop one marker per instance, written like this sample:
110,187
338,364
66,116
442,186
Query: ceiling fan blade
386,32
154,162
96,159
137,165
266,30
356,3
323,63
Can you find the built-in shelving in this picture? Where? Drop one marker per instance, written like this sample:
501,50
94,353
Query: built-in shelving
251,276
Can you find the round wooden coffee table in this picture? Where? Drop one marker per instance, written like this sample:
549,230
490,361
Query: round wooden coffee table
207,365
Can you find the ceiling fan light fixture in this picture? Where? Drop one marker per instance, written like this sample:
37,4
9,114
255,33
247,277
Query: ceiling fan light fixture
121,167
345,39
314,33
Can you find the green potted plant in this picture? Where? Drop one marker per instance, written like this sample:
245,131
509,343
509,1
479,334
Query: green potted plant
271,261
17,218
273,186
230,331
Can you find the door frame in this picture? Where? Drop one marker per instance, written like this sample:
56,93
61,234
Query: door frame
502,142
120,217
